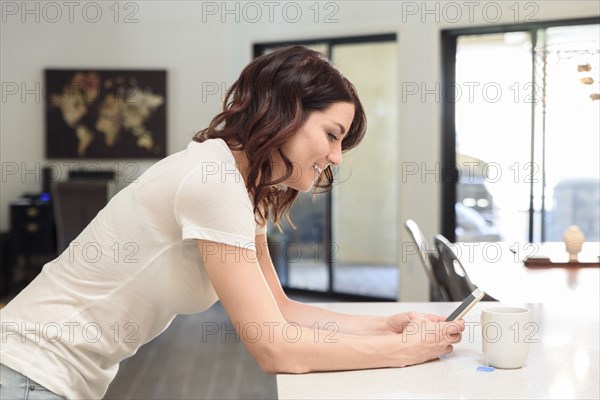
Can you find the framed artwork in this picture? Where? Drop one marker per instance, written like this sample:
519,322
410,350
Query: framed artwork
103,114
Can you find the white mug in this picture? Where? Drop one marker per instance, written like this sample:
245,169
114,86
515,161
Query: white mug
505,336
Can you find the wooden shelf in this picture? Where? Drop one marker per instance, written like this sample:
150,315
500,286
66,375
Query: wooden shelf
548,263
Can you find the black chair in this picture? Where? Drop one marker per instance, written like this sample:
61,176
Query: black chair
76,203
458,283
438,291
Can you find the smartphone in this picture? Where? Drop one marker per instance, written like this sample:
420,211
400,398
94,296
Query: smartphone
466,305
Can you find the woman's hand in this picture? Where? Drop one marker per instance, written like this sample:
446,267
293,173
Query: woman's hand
396,323
425,336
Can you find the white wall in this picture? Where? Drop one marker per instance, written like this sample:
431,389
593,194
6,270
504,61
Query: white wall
165,36
173,35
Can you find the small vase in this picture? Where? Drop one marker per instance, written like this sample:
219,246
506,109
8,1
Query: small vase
573,238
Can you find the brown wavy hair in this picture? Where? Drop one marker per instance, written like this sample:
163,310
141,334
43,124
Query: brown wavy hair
265,107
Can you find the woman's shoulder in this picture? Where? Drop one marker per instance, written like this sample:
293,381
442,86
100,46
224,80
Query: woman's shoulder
210,150
208,155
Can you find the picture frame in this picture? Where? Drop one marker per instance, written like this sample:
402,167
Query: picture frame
105,113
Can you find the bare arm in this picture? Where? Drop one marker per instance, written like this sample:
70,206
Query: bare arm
279,346
311,316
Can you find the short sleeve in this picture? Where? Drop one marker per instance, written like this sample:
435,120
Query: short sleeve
211,203
260,229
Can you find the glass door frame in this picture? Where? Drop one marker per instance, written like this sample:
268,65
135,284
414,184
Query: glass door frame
257,50
449,39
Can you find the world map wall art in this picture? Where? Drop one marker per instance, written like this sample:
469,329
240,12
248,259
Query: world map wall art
100,114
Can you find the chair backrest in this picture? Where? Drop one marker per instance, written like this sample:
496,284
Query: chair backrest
458,282
428,261
76,203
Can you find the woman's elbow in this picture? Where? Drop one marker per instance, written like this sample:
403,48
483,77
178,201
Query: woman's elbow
279,360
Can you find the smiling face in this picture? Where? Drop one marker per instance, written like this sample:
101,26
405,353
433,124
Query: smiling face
317,144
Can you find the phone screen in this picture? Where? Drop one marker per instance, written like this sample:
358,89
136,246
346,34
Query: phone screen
466,305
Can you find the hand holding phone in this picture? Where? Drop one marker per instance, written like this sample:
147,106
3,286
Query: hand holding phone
466,305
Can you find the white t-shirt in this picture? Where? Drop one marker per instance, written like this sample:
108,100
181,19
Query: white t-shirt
129,273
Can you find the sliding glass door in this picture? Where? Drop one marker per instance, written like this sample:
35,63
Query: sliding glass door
345,241
521,131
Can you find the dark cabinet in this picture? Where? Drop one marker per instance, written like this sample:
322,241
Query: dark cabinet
33,234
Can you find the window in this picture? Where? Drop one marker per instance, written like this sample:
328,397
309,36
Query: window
521,130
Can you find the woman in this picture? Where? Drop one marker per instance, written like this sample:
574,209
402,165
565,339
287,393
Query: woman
191,231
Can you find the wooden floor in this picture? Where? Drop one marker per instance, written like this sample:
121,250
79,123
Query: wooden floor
187,361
